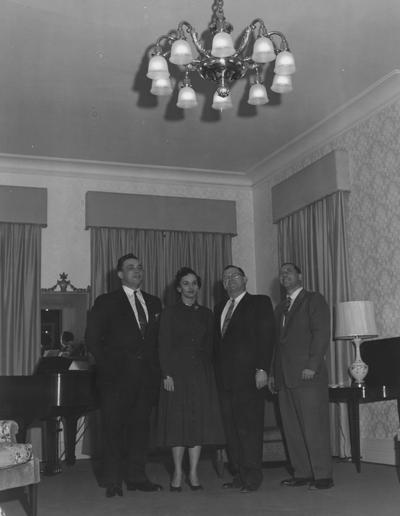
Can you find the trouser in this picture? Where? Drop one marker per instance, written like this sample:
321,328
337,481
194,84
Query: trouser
243,417
125,408
305,421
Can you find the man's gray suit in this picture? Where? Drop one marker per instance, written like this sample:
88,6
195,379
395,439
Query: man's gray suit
303,336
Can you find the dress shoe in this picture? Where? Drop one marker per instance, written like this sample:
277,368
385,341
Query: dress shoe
143,486
174,489
194,487
248,489
111,491
321,483
236,483
296,482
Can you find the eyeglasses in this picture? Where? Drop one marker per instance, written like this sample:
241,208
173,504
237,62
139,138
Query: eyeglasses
235,275
135,267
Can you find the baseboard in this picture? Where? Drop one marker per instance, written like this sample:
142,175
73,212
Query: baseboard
381,451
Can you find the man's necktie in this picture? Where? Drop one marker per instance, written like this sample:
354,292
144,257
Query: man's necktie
286,307
141,314
228,317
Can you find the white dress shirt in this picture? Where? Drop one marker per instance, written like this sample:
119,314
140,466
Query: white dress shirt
130,293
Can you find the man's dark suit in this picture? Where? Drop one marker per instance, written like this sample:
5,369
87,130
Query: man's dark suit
245,347
128,378
302,343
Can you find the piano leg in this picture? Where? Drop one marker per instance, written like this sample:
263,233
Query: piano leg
70,423
52,464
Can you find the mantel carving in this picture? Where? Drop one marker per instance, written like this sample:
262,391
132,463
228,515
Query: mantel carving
65,285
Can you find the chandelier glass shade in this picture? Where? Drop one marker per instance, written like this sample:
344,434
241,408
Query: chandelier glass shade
223,64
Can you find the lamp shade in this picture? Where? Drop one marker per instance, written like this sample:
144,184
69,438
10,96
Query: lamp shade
355,319
222,45
263,50
181,53
258,95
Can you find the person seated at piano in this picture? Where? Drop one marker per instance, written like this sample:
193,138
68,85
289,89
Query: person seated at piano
71,348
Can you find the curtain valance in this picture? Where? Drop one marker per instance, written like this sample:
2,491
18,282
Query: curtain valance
156,212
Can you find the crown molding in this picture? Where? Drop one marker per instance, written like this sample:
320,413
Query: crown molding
373,99
34,165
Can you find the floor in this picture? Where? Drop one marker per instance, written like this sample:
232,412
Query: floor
373,492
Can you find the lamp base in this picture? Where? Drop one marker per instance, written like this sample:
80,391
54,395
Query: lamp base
358,371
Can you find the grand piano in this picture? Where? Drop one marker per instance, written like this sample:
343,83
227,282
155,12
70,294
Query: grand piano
382,383
48,395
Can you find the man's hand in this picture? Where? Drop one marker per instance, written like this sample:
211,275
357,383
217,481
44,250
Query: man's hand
271,384
307,374
168,383
261,378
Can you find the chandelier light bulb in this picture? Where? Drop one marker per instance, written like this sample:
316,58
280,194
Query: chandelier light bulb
263,50
258,95
282,84
284,64
186,98
158,68
222,45
221,103
161,86
181,53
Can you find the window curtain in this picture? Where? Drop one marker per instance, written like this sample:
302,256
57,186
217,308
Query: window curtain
315,239
20,262
162,253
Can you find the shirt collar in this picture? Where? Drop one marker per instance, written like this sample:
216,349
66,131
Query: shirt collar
130,291
295,293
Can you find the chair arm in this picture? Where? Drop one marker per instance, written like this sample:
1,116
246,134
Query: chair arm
8,431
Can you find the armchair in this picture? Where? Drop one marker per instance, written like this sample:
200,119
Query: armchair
18,466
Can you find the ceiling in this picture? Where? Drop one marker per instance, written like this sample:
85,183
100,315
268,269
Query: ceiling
73,85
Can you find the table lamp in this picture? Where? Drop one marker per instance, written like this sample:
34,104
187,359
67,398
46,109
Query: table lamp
355,320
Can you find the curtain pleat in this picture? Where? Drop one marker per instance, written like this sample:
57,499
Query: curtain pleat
162,254
315,239
20,263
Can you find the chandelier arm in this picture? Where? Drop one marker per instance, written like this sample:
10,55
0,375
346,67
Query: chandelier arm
181,32
283,39
245,40
200,49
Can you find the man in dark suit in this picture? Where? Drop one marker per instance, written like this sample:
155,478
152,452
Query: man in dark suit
244,344
300,376
122,335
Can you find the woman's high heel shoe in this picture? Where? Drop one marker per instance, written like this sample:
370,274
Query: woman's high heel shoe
174,489
193,487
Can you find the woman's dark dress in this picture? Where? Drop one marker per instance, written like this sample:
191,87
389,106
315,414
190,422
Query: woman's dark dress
190,415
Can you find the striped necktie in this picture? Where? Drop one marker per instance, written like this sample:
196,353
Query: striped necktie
228,317
141,314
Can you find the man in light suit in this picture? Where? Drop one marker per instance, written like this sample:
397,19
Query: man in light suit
300,376
244,345
122,336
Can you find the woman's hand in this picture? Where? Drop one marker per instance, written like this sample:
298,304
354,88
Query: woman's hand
168,383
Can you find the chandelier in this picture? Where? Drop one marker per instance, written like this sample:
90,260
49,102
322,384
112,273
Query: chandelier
223,64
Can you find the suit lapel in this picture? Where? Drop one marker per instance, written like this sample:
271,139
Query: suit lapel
297,303
237,312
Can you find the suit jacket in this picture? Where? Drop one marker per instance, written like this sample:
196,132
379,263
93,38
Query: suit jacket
303,341
247,344
113,335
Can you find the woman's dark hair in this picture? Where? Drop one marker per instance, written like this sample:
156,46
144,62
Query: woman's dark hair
184,271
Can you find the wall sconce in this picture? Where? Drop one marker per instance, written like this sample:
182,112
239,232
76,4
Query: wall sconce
355,320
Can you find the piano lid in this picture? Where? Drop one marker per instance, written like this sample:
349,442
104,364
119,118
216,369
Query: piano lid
383,359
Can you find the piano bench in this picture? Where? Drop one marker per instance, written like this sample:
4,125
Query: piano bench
18,467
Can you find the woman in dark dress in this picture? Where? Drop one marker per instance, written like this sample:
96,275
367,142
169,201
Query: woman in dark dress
189,414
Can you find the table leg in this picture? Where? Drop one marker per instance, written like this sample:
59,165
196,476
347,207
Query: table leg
354,427
70,424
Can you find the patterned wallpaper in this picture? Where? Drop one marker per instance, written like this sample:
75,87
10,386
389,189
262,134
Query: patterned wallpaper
374,233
